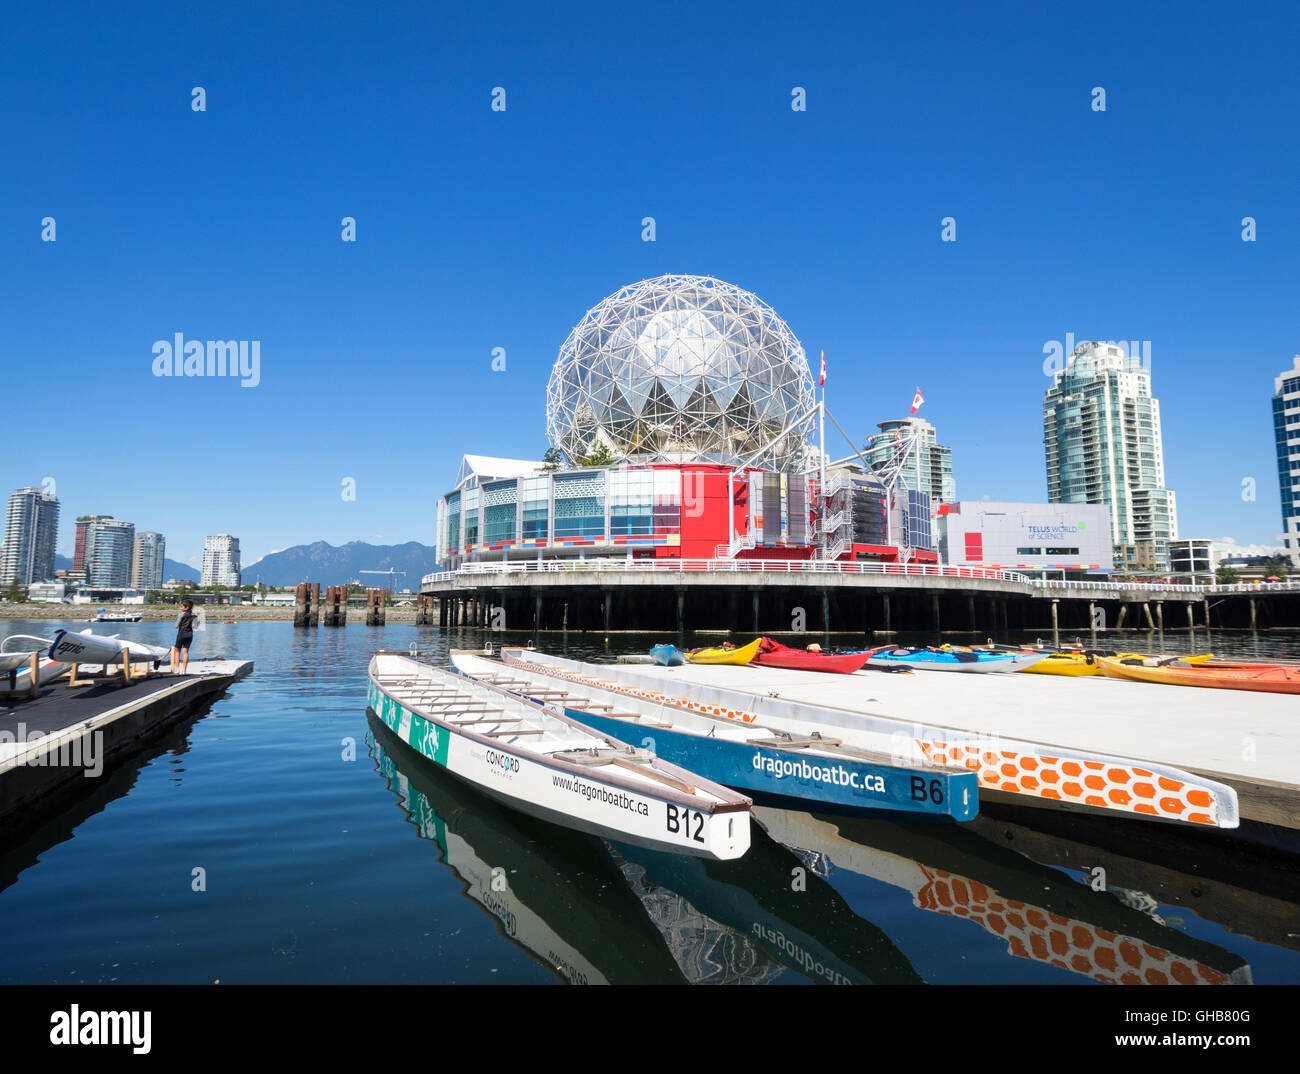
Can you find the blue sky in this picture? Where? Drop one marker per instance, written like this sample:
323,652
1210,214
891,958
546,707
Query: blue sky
479,229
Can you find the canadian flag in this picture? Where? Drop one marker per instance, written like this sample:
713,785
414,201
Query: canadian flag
916,402
822,380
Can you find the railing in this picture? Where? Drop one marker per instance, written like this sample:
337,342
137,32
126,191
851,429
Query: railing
832,522
728,565
740,566
836,484
1169,587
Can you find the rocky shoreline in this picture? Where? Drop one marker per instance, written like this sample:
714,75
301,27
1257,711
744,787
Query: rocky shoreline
83,613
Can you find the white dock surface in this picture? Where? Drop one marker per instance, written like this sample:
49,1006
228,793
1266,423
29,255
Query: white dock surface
1248,740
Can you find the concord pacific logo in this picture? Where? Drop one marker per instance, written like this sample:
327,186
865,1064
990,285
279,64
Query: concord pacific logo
502,761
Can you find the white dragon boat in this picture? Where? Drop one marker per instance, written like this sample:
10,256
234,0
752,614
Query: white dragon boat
541,762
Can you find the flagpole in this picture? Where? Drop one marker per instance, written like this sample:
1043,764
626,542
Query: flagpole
821,417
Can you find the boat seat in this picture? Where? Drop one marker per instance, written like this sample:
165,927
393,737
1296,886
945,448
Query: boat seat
521,731
489,719
794,742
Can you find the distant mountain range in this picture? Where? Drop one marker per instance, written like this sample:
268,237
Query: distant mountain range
171,569
323,563
330,565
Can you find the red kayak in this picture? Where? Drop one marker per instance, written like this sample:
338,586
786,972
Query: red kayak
772,654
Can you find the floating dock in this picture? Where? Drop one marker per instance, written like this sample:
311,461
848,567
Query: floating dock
52,745
1248,741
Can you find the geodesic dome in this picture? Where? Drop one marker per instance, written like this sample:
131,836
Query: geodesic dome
681,368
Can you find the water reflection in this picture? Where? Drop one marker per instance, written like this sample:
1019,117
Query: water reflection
594,911
1041,915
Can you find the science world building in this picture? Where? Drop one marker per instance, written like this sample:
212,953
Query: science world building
680,411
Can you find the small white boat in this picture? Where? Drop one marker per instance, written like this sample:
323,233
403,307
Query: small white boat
16,663
117,617
541,762
89,648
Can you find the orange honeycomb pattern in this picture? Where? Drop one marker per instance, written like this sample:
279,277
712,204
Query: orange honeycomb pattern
1068,944
1116,785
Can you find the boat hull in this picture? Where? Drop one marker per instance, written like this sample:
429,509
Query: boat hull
16,678
571,798
1271,679
668,656
983,664
811,779
742,655
1028,772
775,655
88,648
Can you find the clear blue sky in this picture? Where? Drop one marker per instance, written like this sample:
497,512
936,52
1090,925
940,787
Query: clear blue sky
481,229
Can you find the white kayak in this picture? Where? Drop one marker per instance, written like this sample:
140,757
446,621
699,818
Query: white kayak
16,663
541,762
88,648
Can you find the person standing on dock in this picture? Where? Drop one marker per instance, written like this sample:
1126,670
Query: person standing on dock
184,635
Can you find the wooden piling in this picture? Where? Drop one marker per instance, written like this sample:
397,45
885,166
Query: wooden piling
336,606
376,601
302,605
315,604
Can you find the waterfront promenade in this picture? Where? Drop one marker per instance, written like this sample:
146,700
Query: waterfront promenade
828,596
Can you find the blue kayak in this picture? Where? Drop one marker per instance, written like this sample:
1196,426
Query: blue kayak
928,659
668,656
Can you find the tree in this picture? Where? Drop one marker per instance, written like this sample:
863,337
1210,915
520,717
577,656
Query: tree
600,455
1276,565
1226,575
14,595
552,460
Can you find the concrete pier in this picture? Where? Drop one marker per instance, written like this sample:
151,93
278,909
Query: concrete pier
52,748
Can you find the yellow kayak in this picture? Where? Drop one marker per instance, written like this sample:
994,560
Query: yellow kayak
1078,664
742,655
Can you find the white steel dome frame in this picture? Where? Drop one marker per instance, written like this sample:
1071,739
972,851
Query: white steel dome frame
682,368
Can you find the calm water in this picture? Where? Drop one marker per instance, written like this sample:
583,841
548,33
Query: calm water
331,855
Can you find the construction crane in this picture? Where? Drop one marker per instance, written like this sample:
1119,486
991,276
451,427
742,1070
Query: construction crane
391,575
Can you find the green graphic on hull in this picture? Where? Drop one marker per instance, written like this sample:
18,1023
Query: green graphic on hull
426,738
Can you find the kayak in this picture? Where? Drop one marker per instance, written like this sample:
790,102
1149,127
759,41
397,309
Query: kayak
1265,678
742,655
772,654
668,656
16,653
88,648
1062,661
952,660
